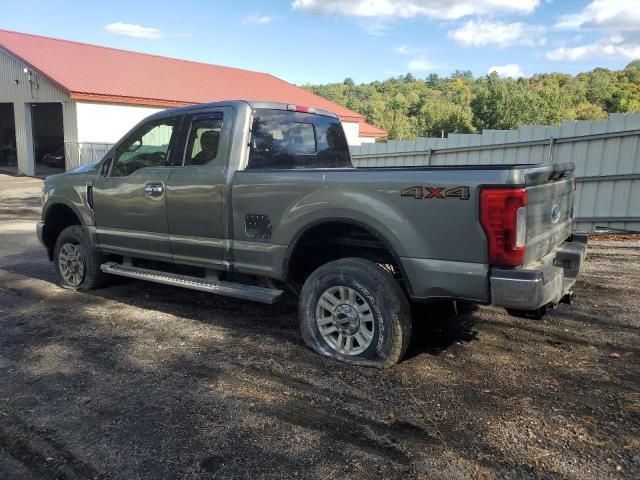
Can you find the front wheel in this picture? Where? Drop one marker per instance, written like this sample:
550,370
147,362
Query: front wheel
353,310
77,261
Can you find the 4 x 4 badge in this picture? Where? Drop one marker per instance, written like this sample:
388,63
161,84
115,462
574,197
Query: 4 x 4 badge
436,192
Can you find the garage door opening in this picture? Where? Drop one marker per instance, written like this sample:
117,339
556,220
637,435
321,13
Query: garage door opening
48,138
8,155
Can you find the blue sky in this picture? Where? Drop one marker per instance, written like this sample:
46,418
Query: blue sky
318,41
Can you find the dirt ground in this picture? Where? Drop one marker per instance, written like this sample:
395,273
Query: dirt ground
148,381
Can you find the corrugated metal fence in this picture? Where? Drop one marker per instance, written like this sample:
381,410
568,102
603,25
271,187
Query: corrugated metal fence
84,153
606,154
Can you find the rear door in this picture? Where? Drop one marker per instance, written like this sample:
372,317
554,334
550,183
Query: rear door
129,195
196,189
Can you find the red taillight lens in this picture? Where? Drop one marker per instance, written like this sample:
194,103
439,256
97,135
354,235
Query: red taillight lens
300,108
503,217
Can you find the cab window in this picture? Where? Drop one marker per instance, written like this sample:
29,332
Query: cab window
148,146
203,145
282,139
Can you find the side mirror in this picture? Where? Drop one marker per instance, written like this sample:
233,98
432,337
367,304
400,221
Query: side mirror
106,164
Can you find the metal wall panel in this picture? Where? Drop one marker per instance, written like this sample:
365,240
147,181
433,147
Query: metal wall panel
16,88
606,154
86,153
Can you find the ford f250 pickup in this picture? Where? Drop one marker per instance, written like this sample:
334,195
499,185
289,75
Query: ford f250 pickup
247,199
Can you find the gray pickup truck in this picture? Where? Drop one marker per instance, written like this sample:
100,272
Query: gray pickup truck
247,199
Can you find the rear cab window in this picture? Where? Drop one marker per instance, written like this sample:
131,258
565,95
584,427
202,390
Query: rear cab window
283,139
204,140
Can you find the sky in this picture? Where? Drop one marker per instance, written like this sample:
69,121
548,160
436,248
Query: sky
321,41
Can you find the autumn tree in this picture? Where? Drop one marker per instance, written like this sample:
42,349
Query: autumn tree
407,106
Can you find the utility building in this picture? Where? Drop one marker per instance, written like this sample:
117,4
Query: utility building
63,103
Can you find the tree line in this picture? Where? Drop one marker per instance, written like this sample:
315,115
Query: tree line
408,107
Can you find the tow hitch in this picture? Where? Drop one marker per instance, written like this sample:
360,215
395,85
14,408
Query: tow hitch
568,298
538,313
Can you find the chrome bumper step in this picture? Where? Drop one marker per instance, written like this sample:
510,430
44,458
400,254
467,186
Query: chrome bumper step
228,289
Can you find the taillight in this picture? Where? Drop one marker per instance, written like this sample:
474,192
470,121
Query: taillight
573,205
300,108
503,215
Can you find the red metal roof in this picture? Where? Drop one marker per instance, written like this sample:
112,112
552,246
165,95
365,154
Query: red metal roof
103,74
368,130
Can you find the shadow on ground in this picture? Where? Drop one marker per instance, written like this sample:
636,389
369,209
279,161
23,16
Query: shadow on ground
148,381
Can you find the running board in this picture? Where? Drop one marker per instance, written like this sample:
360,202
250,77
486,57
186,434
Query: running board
228,289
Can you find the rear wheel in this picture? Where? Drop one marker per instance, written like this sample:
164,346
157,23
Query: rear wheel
77,261
353,310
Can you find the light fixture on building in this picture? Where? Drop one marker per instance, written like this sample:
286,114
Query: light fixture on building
33,80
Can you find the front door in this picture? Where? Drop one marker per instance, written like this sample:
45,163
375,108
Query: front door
129,196
196,190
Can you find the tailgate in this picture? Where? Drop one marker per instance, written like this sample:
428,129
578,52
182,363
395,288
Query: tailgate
550,197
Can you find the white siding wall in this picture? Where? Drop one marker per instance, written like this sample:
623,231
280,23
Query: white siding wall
22,94
100,125
84,122
107,123
352,132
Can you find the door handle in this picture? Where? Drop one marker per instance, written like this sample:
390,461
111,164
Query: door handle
154,189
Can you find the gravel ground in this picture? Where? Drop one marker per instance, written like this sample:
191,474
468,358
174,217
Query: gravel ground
147,381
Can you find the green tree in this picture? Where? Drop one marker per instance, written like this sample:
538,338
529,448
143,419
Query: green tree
502,103
634,64
601,87
589,111
552,105
439,115
399,126
406,106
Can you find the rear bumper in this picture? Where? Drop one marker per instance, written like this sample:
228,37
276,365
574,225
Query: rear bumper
543,283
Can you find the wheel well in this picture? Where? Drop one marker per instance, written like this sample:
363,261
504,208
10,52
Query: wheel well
334,240
58,218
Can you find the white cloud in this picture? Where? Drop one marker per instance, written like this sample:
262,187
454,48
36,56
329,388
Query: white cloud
512,70
483,32
619,15
619,22
258,19
407,50
133,30
376,27
613,46
438,9
419,64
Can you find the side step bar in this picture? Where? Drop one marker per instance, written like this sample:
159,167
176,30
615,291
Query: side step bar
228,289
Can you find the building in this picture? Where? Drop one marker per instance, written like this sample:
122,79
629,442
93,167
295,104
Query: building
60,96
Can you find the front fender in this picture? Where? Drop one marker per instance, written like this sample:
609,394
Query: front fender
71,192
